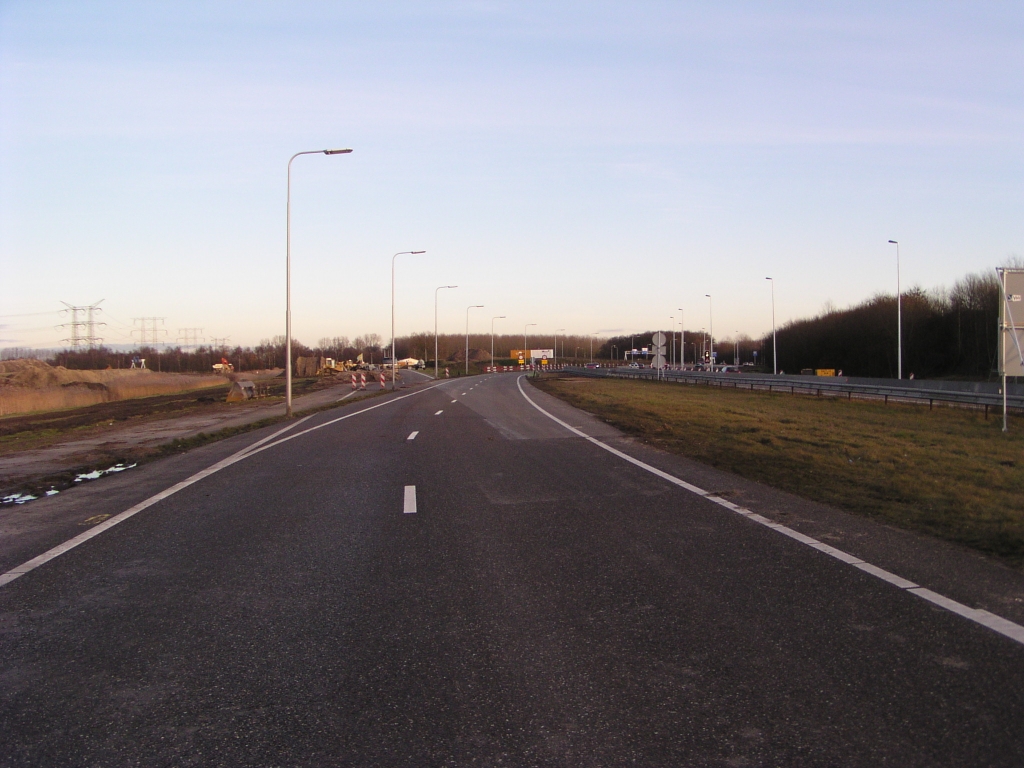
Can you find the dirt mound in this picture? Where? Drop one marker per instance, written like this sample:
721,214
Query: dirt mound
32,385
35,374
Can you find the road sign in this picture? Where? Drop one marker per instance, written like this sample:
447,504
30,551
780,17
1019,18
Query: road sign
1011,316
658,340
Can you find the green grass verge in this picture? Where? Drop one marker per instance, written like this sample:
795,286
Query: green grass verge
947,472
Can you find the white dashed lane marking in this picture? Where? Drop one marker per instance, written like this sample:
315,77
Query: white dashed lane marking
410,500
439,413
412,436
249,451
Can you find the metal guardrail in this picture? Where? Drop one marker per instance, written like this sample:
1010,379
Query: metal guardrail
818,385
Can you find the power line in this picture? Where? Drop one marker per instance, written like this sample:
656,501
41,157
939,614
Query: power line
89,338
35,314
148,330
191,337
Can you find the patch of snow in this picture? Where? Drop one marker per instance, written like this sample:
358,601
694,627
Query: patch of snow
98,473
17,498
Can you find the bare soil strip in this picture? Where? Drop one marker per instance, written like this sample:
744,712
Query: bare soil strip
44,451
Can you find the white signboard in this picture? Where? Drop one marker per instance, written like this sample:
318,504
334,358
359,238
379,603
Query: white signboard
1011,322
537,354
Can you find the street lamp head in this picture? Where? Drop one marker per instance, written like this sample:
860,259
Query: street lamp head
708,295
767,278
894,242
417,251
337,151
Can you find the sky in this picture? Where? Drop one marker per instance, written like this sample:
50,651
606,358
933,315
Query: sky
595,167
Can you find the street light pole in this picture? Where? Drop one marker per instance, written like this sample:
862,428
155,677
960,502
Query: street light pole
682,340
499,317
524,339
472,306
556,343
775,349
394,355
672,354
711,332
288,277
736,351
899,316
435,323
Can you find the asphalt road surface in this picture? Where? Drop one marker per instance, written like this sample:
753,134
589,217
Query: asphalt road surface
447,576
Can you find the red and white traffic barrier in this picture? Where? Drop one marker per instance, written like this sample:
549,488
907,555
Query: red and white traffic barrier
353,381
362,380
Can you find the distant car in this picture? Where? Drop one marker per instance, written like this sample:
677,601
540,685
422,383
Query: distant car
729,369
593,365
633,365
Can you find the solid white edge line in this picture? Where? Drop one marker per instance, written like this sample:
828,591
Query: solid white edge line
409,505
96,530
980,616
412,435
245,453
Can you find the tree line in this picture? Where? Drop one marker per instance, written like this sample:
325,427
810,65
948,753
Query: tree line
270,353
946,333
